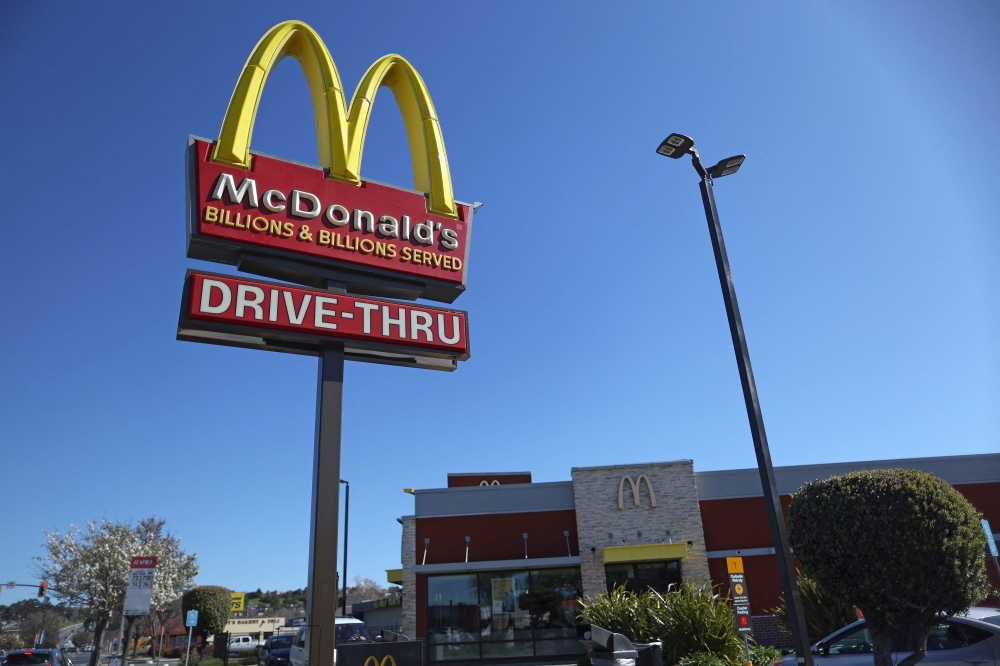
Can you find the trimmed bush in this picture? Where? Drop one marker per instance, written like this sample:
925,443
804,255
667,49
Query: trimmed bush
212,603
902,545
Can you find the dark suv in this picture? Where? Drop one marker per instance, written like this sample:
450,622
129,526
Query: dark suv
274,651
36,657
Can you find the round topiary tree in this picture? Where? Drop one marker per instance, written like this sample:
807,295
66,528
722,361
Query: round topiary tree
212,603
903,546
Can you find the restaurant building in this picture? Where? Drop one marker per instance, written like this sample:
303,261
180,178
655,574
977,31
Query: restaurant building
494,565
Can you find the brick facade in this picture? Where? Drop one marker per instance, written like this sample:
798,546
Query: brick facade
600,522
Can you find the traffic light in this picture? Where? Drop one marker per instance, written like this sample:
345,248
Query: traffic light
43,589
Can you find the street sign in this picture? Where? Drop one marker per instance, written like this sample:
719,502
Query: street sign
238,600
989,538
192,619
743,624
234,311
740,595
139,594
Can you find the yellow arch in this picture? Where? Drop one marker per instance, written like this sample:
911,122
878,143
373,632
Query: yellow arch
635,490
340,131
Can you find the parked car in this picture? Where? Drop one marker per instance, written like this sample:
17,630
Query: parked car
349,630
238,644
275,650
953,641
50,656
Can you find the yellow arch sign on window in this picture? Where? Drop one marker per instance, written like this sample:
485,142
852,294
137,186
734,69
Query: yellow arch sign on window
340,130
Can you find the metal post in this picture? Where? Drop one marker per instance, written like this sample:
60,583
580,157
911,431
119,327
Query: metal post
321,594
347,511
187,655
786,568
746,649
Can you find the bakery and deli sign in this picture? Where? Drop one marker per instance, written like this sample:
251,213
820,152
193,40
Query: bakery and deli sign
346,243
283,219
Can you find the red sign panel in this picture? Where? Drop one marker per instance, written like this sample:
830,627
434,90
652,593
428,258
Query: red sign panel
314,314
296,209
143,563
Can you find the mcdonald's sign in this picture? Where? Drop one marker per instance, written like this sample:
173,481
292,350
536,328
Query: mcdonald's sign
308,224
635,490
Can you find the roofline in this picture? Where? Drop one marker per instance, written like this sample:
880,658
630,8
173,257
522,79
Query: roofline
489,473
682,461
879,463
477,489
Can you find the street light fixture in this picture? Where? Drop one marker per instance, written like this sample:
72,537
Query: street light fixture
672,147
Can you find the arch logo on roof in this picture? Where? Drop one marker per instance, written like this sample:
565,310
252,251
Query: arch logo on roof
306,224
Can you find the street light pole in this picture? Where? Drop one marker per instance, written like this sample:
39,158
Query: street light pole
675,146
347,510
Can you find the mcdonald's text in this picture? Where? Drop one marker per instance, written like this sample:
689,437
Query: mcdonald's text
249,305
297,209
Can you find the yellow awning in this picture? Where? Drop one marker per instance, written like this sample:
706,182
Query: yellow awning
394,576
645,552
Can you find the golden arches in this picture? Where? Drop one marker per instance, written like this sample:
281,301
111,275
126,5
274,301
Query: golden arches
635,490
387,659
340,132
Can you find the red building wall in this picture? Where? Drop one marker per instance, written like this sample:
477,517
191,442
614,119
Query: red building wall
466,480
496,537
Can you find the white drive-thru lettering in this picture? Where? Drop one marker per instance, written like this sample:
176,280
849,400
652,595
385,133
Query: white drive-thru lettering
293,316
321,312
456,331
242,302
206,297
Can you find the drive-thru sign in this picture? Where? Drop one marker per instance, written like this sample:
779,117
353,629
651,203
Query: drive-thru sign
353,256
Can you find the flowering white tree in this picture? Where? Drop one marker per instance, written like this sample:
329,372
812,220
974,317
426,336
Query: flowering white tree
90,568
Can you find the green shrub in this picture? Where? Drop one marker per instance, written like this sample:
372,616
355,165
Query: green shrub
825,612
694,618
761,655
702,659
248,656
622,612
687,619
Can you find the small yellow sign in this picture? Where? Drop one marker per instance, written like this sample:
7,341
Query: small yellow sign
238,600
734,564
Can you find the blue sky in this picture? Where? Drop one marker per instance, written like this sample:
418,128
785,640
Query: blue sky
862,232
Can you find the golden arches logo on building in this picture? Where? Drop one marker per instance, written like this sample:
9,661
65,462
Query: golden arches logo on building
635,490
386,660
340,130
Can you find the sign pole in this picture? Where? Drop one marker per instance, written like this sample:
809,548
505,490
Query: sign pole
321,593
772,500
187,654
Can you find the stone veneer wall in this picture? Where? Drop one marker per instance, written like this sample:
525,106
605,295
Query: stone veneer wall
408,556
597,515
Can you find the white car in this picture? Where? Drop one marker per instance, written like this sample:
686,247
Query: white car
238,644
349,630
954,641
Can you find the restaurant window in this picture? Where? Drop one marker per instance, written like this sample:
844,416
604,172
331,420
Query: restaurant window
638,576
503,614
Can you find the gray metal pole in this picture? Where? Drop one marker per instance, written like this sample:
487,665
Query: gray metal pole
347,511
187,655
321,594
786,568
